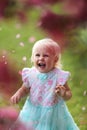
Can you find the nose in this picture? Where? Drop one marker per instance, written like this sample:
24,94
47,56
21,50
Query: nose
41,58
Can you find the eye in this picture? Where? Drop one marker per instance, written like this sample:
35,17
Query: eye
46,55
37,55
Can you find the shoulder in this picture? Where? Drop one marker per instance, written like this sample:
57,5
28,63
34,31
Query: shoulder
62,72
27,74
27,71
63,76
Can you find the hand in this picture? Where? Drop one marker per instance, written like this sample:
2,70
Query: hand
19,94
60,90
15,98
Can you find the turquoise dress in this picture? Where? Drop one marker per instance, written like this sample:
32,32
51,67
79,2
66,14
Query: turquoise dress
43,109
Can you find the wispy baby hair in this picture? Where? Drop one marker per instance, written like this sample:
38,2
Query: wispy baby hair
50,44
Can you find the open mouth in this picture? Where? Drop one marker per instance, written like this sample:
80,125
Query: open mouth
42,65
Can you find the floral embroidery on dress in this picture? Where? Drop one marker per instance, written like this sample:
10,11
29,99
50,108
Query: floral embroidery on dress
50,82
42,90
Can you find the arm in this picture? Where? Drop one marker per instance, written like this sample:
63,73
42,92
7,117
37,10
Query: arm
64,91
19,94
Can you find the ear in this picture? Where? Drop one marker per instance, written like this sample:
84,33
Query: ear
56,59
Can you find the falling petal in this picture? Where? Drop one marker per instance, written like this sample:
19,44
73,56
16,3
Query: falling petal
24,58
6,62
32,39
83,108
21,44
18,36
85,93
3,56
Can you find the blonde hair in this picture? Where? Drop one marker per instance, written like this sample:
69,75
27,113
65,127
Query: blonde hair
52,46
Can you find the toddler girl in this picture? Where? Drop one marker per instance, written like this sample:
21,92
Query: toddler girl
47,89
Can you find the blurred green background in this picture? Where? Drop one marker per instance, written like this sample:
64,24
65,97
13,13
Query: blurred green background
16,41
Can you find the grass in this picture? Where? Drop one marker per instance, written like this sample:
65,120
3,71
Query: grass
10,45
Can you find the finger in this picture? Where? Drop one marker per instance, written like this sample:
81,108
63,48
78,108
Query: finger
14,100
62,87
58,85
57,90
62,91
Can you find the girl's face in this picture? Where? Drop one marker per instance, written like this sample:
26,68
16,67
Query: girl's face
44,60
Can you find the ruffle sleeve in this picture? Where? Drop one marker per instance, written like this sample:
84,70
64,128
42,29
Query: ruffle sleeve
63,77
25,77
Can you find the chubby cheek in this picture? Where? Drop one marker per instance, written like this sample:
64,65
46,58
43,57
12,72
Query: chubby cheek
35,60
49,63
52,62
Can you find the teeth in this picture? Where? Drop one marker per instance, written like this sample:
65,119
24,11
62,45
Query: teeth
41,64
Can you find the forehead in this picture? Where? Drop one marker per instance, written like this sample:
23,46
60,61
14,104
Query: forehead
42,49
